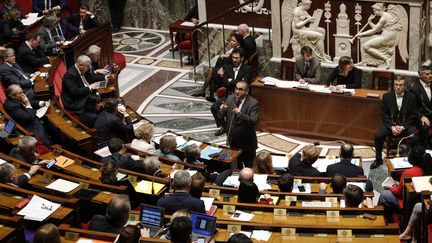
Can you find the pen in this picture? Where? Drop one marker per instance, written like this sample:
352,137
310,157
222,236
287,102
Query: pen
65,162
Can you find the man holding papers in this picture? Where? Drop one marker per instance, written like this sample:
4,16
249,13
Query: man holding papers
398,111
242,116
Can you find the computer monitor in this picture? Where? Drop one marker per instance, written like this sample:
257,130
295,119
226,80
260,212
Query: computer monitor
203,224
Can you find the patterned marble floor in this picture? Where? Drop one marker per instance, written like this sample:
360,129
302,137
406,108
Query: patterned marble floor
155,85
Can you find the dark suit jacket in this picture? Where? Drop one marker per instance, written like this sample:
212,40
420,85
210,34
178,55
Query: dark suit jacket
10,75
242,134
352,80
424,104
74,93
39,5
314,73
88,118
14,153
230,82
88,23
390,113
298,168
181,200
345,168
46,43
101,223
125,162
27,118
109,125
30,60
249,46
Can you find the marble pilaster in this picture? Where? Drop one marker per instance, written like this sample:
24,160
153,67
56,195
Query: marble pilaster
276,28
415,33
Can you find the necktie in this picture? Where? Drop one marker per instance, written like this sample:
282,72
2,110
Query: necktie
84,80
306,73
51,36
237,104
60,33
20,72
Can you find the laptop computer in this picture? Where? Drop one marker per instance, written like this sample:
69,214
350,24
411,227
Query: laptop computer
203,227
152,218
10,126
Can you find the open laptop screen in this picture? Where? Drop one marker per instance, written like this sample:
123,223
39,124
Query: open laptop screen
203,224
151,215
10,125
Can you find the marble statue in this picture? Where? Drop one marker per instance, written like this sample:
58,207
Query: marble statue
295,18
379,50
342,36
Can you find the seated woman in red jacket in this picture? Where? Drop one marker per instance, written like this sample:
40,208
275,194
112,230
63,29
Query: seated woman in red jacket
389,197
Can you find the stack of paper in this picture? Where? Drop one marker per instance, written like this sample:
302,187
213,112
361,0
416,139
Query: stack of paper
208,202
422,183
103,152
63,185
38,209
261,182
263,235
43,110
32,18
232,181
317,204
400,163
146,186
280,162
322,164
208,151
188,23
2,161
242,216
120,176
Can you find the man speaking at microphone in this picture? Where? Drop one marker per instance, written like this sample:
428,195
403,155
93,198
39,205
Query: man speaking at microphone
242,116
398,109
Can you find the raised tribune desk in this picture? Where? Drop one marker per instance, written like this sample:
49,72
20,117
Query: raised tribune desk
354,118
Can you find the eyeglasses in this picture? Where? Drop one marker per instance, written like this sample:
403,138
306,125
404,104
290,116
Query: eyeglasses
240,89
49,207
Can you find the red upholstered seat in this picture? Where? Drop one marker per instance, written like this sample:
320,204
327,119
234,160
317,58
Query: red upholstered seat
3,95
221,91
187,44
120,60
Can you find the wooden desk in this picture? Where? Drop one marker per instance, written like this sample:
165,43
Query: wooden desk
43,86
395,173
12,229
318,115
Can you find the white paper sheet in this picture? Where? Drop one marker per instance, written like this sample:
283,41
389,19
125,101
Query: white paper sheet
280,161
63,185
242,216
208,202
261,182
421,183
187,23
232,181
43,110
362,185
38,209
120,176
103,152
321,164
400,163
388,182
317,204
179,139
2,161
262,235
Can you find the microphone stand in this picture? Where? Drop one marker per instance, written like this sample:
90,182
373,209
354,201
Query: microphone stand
398,147
154,175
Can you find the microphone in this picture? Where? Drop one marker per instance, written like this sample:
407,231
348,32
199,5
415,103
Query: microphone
398,147
154,175
237,104
317,143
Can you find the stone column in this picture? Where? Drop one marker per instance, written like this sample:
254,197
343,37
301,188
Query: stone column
415,33
276,28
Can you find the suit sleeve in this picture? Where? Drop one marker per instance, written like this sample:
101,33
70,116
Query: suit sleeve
386,112
409,121
72,86
22,180
22,116
253,117
34,59
247,76
357,77
10,78
316,78
297,71
94,21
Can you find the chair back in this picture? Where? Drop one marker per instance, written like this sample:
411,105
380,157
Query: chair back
382,80
287,69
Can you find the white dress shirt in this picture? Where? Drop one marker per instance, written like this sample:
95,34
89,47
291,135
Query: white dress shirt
399,100
426,87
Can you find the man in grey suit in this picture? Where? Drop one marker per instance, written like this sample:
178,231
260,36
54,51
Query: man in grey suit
242,116
307,67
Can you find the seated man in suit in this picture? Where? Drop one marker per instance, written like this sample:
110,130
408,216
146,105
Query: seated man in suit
307,67
120,158
30,57
77,85
116,216
248,192
9,175
248,44
12,73
23,111
82,21
301,165
50,39
345,167
398,112
26,150
109,124
338,183
181,199
44,7
151,164
228,76
422,90
8,5
286,182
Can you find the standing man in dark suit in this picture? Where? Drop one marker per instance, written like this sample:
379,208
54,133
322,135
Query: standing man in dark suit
83,21
23,111
44,7
77,85
398,111
248,44
228,76
12,73
307,67
30,57
116,8
242,116
120,158
422,90
345,167
181,199
109,124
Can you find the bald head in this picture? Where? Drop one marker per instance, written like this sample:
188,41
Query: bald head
246,175
243,29
346,151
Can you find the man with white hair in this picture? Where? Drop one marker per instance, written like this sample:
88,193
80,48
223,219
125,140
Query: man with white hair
248,44
181,199
77,85
94,53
